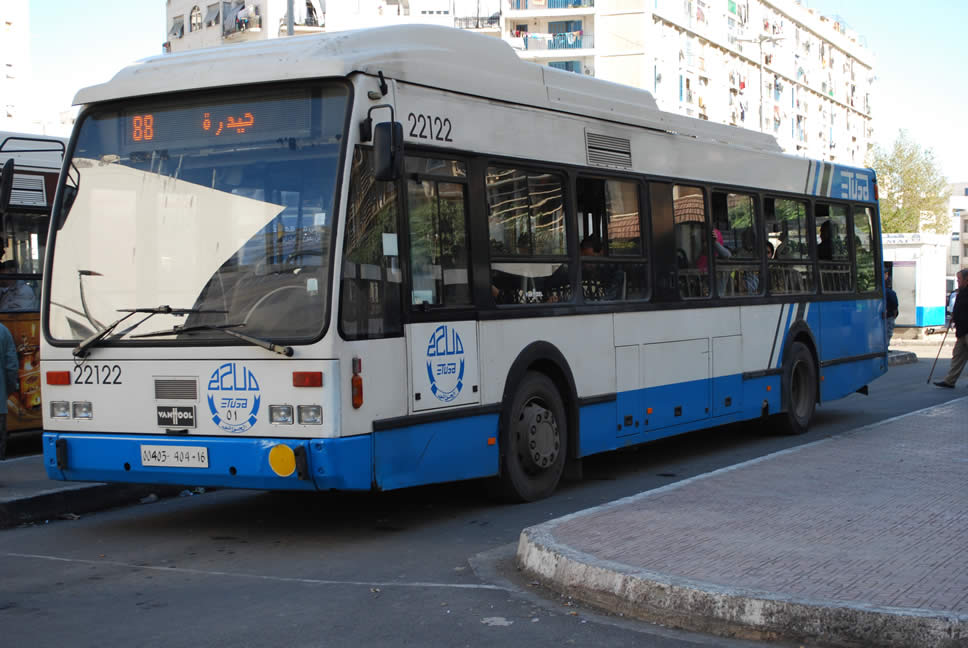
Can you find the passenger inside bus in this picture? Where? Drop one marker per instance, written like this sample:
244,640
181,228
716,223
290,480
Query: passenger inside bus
825,249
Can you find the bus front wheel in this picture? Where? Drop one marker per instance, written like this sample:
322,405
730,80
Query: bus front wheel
799,389
534,440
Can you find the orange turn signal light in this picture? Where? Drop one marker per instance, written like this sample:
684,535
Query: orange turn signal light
58,377
356,383
307,378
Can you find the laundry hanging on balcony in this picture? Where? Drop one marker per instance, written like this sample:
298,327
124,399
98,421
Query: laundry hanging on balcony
570,37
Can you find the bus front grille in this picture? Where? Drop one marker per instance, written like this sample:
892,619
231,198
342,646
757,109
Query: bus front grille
176,389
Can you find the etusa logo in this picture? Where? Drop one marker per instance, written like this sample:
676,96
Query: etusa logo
234,397
445,363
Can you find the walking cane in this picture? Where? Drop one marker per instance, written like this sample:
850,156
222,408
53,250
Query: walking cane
946,329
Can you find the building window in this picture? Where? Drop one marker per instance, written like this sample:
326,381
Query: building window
196,19
212,15
177,27
954,260
567,66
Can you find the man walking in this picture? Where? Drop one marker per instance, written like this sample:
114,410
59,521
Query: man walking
891,307
9,382
959,318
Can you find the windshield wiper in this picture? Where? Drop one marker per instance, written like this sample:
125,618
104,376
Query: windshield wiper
227,329
80,350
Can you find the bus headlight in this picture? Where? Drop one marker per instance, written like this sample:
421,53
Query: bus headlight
310,414
83,410
280,414
60,409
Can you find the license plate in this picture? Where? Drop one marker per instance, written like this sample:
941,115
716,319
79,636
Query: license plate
174,456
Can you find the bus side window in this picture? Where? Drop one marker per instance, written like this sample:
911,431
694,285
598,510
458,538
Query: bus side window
611,249
833,250
526,228
864,253
788,262
439,260
736,230
370,299
692,241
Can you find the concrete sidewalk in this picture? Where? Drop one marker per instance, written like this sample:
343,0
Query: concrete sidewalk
855,540
26,495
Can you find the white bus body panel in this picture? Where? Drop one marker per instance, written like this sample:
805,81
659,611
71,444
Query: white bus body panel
232,395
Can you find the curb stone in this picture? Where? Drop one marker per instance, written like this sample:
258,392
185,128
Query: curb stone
81,498
731,612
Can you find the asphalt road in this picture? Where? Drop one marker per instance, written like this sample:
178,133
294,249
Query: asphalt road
423,567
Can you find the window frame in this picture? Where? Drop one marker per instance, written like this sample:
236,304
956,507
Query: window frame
196,21
759,229
875,250
433,312
849,235
811,261
567,205
645,239
705,190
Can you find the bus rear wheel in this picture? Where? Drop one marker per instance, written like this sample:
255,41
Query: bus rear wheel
534,440
799,390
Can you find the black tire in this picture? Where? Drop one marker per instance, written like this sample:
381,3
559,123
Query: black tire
534,440
798,390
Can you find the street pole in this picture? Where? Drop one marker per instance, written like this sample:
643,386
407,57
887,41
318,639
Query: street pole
290,20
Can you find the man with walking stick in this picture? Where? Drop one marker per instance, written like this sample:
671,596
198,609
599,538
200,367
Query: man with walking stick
959,319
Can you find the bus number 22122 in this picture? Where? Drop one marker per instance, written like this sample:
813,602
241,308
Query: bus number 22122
430,127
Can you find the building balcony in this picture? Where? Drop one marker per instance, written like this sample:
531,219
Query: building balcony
544,45
478,22
525,8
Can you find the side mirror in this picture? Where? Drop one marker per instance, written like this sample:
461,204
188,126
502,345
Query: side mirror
6,185
388,151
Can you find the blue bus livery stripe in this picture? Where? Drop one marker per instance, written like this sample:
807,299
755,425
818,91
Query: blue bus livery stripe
440,451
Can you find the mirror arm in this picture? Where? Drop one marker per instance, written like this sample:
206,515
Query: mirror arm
366,126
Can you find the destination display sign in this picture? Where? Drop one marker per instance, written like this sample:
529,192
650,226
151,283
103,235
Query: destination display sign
254,120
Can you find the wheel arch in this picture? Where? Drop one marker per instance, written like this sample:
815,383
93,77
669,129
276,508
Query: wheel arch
545,358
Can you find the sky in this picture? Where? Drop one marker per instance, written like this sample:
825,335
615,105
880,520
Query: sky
920,83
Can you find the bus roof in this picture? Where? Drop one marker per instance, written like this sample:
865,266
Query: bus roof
429,55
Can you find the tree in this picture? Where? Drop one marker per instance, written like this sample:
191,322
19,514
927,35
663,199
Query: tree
913,192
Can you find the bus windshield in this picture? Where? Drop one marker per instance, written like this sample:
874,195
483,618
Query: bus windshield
219,203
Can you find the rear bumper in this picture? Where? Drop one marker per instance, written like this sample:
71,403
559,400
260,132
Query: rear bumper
340,464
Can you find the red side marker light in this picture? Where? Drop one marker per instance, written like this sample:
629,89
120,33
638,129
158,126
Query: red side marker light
58,377
307,378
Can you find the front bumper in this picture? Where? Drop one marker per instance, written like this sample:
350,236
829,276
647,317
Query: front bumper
331,464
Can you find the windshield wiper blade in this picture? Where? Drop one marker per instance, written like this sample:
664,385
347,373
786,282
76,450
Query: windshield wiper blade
227,329
165,309
80,350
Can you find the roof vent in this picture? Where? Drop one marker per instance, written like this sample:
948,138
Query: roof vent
608,151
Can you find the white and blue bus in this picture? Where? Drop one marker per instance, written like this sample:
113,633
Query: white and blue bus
401,256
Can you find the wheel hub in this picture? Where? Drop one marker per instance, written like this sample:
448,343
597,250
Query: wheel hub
537,436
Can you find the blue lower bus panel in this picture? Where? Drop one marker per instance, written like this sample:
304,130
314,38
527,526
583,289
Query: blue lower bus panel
344,464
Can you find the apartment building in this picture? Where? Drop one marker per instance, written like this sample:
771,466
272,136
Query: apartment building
194,24
14,64
958,252
769,65
773,66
